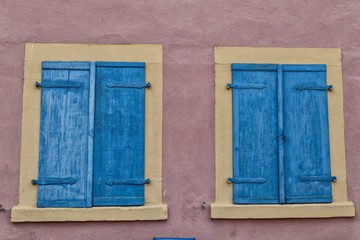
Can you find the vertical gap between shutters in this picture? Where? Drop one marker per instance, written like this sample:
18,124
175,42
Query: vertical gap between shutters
280,133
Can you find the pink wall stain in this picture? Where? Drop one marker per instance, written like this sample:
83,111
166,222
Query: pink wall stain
188,30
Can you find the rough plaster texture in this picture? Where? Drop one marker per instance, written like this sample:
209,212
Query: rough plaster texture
188,30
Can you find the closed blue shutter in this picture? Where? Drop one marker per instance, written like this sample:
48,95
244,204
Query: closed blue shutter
65,154
119,134
255,142
307,154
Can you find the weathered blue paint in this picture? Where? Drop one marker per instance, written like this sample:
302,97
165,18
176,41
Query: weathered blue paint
246,86
253,67
318,178
91,133
119,134
255,130
304,68
281,135
133,85
54,181
128,181
65,65
58,84
121,64
321,88
246,180
306,127
64,128
300,158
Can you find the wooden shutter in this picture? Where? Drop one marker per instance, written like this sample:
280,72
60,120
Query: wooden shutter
255,142
119,134
307,154
66,125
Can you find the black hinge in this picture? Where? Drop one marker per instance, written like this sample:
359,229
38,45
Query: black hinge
58,84
320,88
246,180
245,86
54,181
131,85
128,182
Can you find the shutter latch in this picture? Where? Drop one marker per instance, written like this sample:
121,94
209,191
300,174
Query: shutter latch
282,136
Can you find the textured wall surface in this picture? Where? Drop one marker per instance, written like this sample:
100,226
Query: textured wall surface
188,30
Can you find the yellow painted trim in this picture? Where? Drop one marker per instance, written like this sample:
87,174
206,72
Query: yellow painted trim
35,53
231,211
224,56
33,214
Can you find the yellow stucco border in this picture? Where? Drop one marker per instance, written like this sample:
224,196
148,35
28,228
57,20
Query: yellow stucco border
35,53
223,206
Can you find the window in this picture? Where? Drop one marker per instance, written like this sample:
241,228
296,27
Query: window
71,163
278,134
85,91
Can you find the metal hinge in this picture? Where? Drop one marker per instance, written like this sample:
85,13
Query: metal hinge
132,85
54,181
246,180
318,178
321,88
58,84
128,182
245,86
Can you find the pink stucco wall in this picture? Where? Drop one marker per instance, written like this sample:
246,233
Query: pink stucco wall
188,30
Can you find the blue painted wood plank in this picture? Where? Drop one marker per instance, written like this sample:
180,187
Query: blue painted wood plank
306,127
304,68
64,127
280,133
253,67
66,65
91,133
121,64
255,129
119,135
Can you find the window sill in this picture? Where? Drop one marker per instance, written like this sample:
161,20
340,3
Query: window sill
141,213
263,211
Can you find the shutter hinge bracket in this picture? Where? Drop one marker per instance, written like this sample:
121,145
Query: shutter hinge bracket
318,178
321,88
128,182
245,86
246,180
54,181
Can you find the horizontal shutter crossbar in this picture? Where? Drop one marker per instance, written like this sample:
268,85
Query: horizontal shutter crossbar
132,85
245,86
66,65
128,182
58,84
253,67
121,64
317,178
320,88
304,68
54,181
246,180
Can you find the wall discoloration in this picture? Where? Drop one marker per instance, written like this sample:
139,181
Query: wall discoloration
188,31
